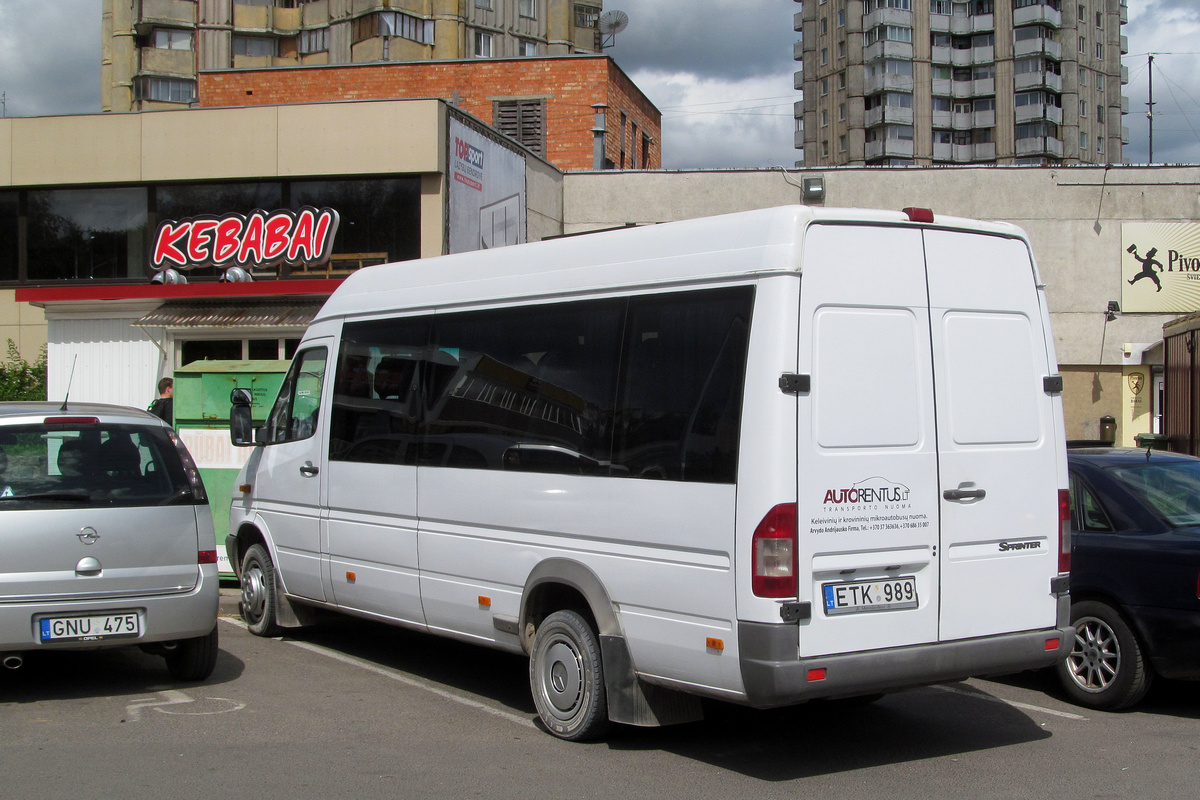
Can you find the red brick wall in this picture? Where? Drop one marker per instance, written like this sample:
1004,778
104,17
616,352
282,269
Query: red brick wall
570,85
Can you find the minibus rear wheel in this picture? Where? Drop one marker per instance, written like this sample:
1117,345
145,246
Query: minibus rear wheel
566,676
259,600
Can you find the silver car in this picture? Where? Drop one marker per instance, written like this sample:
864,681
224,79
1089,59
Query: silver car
106,538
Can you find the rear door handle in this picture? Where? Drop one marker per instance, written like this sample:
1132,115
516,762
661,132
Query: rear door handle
963,492
308,469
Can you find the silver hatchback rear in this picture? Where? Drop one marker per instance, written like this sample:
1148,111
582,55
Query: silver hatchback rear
106,537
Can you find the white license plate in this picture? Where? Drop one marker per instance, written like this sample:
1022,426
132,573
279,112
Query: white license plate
855,597
90,629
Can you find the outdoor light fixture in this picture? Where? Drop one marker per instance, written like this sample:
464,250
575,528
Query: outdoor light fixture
813,189
1113,309
236,275
168,276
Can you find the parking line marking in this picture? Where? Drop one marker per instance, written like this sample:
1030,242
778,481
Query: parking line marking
400,677
1013,703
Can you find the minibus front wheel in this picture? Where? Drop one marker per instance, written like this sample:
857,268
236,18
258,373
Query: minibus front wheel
259,600
566,676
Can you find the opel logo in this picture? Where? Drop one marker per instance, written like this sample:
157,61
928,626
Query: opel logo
88,535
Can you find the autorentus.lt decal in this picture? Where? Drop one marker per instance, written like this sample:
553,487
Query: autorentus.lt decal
872,504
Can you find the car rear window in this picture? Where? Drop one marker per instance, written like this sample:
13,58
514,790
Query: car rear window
1171,489
92,465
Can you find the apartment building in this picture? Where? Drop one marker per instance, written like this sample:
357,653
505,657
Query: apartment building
937,82
154,50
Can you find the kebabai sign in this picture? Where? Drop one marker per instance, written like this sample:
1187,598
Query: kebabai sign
260,239
1160,264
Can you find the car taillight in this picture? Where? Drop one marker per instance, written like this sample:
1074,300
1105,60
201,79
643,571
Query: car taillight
189,468
774,553
206,556
1064,530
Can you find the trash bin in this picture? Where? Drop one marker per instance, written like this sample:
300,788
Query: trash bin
1151,441
202,419
1108,429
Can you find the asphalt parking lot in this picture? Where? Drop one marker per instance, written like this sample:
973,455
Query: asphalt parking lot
356,709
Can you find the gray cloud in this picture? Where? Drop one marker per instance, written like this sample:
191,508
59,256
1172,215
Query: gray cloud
50,57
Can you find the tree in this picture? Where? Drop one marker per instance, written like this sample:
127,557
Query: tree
20,380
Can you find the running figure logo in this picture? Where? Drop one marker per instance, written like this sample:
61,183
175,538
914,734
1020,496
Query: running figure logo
1148,265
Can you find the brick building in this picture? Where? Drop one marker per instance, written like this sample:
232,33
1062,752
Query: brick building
547,104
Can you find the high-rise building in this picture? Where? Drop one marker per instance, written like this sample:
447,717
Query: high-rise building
153,50
938,82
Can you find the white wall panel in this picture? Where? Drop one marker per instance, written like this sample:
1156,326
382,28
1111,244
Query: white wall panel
114,361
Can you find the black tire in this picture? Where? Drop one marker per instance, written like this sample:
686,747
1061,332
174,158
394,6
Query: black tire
1106,668
259,600
194,659
567,678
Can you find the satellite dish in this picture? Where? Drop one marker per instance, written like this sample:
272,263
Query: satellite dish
612,23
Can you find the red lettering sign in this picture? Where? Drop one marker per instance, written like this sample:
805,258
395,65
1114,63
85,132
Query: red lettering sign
259,240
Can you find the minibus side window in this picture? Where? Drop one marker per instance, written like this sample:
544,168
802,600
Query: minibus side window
376,397
679,412
294,415
525,389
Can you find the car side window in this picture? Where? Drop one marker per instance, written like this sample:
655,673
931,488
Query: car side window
1086,512
294,415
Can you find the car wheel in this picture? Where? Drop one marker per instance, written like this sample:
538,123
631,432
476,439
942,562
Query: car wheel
259,600
567,677
1106,668
194,659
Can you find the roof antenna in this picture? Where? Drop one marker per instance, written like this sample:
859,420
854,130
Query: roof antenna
69,379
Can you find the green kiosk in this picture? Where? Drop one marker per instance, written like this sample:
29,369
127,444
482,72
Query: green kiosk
202,419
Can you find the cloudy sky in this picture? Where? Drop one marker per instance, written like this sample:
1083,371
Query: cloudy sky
721,73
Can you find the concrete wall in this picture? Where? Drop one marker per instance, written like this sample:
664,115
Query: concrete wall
1073,216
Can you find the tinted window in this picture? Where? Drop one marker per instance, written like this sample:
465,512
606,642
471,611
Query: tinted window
375,399
90,465
1171,489
523,389
681,395
87,234
294,415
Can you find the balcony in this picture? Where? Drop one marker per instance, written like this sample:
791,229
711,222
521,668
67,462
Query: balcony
1040,13
1040,145
1124,45
168,62
1038,111
887,16
942,119
1124,104
1033,47
888,82
1123,11
798,109
798,139
168,12
895,115
1124,76
1124,134
941,55
798,21
901,148
939,23
1038,80
798,50
798,78
982,23
885,49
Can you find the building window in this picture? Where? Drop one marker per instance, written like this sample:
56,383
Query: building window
393,23
1099,19
9,223
172,39
1100,145
841,50
167,90
841,18
841,80
824,117
1099,50
259,46
825,148
587,16
315,41
984,104
523,121
842,112
483,45
841,144
526,47
527,8
1083,144
940,7
87,234
1083,108
824,56
1083,45
891,33
824,25
983,7
484,4
824,86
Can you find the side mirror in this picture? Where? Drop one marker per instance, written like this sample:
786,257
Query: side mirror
241,426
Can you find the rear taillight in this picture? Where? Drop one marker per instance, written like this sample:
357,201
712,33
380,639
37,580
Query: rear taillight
1064,530
189,468
206,556
774,553
57,421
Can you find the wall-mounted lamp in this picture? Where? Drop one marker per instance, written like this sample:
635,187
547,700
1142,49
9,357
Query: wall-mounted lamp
236,275
168,276
1114,308
813,189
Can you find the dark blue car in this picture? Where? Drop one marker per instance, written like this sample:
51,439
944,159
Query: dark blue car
1135,573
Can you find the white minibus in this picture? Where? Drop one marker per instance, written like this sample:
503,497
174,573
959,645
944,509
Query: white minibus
765,457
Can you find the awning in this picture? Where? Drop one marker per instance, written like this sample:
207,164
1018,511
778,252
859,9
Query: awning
242,314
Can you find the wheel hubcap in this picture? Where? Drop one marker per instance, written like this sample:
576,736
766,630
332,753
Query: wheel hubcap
1096,658
563,678
254,593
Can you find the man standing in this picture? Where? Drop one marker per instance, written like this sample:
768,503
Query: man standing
164,406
